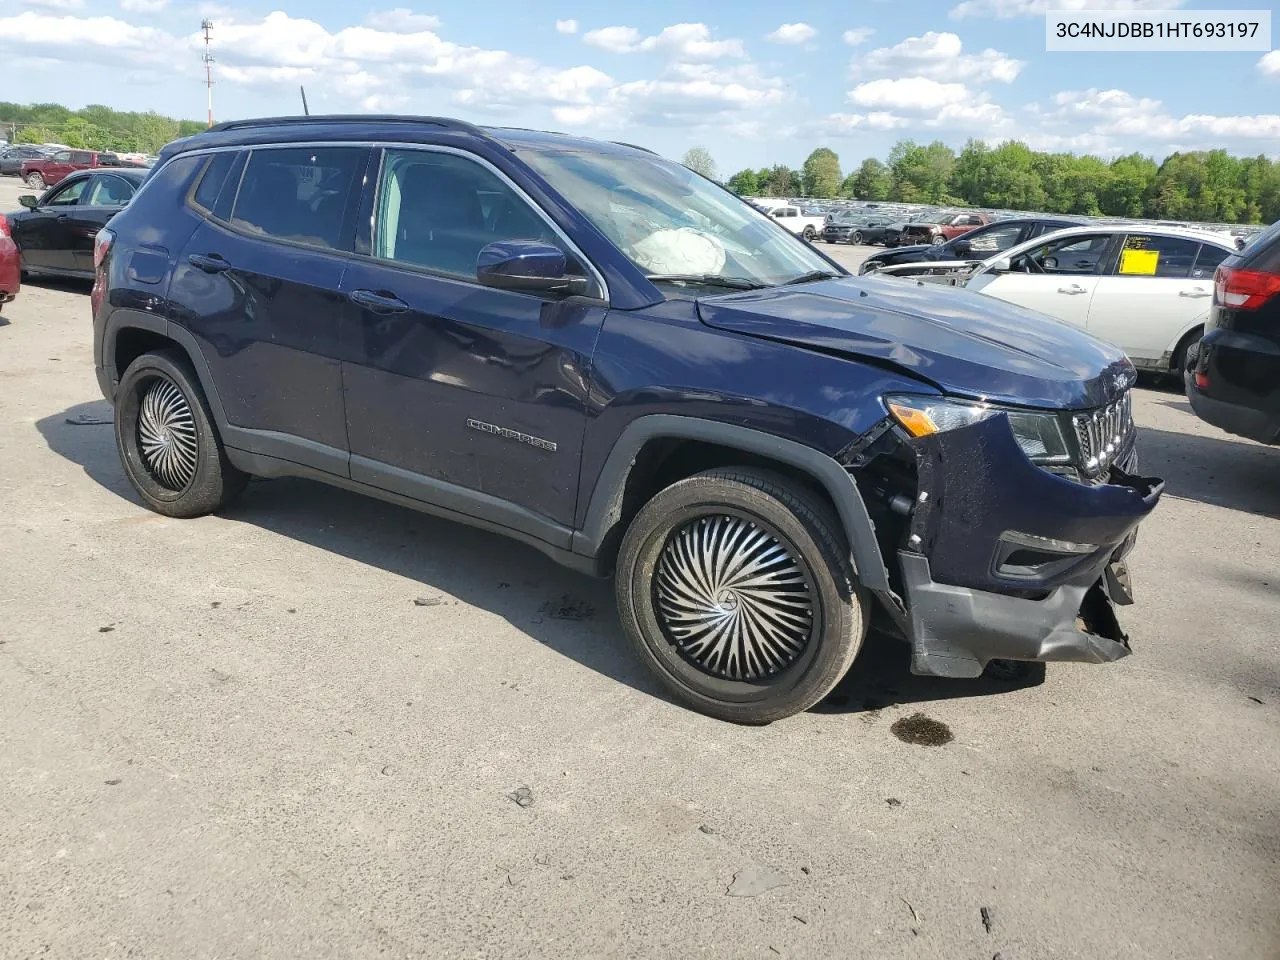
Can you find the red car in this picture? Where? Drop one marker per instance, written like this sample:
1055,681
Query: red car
46,171
10,265
946,227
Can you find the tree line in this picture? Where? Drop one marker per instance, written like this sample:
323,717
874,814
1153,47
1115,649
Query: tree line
1206,185
94,128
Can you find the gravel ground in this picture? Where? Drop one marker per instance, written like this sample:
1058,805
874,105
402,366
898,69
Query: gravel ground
320,726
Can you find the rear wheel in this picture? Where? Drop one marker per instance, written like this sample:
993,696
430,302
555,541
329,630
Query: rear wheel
938,240
735,587
35,181
167,440
810,233
857,238
1180,352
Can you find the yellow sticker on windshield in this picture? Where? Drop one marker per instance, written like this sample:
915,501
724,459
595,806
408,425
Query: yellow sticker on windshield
1139,263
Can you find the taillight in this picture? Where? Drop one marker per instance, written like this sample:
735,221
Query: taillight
4,226
1244,289
102,246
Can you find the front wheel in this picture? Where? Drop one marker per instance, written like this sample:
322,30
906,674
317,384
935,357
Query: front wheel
167,439
809,234
35,181
735,588
938,241
857,238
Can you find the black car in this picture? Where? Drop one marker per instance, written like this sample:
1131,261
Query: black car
855,230
1233,376
975,245
11,158
55,232
765,453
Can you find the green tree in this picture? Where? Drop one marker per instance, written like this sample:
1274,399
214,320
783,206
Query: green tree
921,174
820,175
781,181
744,183
873,181
1012,182
698,159
1128,185
969,177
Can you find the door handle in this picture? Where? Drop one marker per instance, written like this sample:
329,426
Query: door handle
381,303
1195,293
1073,289
208,262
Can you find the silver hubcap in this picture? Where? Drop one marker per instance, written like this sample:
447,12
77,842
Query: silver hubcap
733,599
167,435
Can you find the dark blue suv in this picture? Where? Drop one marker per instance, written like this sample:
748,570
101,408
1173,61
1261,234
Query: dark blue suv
599,353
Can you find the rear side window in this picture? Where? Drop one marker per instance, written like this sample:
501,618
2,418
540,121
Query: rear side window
78,156
109,192
298,194
1156,256
212,179
1208,260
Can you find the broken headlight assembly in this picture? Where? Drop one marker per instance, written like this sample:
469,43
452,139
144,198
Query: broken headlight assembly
1038,433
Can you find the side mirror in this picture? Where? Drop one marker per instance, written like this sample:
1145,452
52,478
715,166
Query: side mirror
28,201
1002,265
529,265
961,246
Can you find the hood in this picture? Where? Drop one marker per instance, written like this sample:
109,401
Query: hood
964,343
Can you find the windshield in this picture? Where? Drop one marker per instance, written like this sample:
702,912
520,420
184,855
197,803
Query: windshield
671,222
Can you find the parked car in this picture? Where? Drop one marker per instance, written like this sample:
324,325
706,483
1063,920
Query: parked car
40,172
798,222
1234,381
893,234
979,244
54,234
10,265
599,353
855,229
11,158
941,228
1145,290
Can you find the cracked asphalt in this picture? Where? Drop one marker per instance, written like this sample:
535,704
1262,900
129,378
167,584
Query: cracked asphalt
243,736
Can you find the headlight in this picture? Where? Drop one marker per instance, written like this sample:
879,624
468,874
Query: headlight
1038,434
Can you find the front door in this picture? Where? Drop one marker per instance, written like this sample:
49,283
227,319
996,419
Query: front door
1150,295
1058,278
44,234
456,392
260,293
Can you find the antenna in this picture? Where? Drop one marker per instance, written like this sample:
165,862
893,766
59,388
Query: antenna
207,27
303,91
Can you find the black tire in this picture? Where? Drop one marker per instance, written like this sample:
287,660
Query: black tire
808,531
212,482
1179,365
857,238
937,240
809,234
35,181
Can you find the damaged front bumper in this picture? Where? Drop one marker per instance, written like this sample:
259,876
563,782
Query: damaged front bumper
1005,560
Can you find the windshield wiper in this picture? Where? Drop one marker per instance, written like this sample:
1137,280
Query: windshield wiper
812,276
706,279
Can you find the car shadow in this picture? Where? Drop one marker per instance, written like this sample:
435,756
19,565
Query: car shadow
570,613
1219,471
61,284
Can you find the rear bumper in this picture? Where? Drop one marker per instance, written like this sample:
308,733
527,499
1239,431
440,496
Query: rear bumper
10,269
1242,392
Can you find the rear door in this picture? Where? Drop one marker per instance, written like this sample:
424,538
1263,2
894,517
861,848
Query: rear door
105,196
1058,278
1148,297
44,234
257,284
458,392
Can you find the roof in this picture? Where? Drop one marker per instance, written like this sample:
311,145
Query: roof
1143,229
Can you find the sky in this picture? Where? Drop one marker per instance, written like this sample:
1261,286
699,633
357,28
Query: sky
756,83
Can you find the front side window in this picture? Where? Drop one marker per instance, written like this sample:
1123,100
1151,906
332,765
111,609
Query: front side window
68,195
668,220
109,192
1157,256
62,156
298,194
1079,255
439,210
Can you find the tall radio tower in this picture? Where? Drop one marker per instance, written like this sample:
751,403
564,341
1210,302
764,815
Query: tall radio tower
207,27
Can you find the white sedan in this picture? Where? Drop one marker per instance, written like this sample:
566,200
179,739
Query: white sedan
1146,289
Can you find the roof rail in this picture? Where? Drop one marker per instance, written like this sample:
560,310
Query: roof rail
635,146
447,123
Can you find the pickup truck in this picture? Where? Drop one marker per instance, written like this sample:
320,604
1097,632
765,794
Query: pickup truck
41,172
799,223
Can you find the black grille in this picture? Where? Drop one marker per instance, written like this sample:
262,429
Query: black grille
1104,435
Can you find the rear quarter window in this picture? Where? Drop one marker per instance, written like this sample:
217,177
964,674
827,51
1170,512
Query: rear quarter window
212,180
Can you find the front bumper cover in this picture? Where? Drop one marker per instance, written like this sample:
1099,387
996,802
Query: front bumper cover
963,607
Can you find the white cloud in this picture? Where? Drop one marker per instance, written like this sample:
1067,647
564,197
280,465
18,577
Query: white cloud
1009,9
1118,113
398,20
143,6
35,32
919,94
1270,63
566,26
857,36
681,41
938,56
792,33
56,4
840,123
